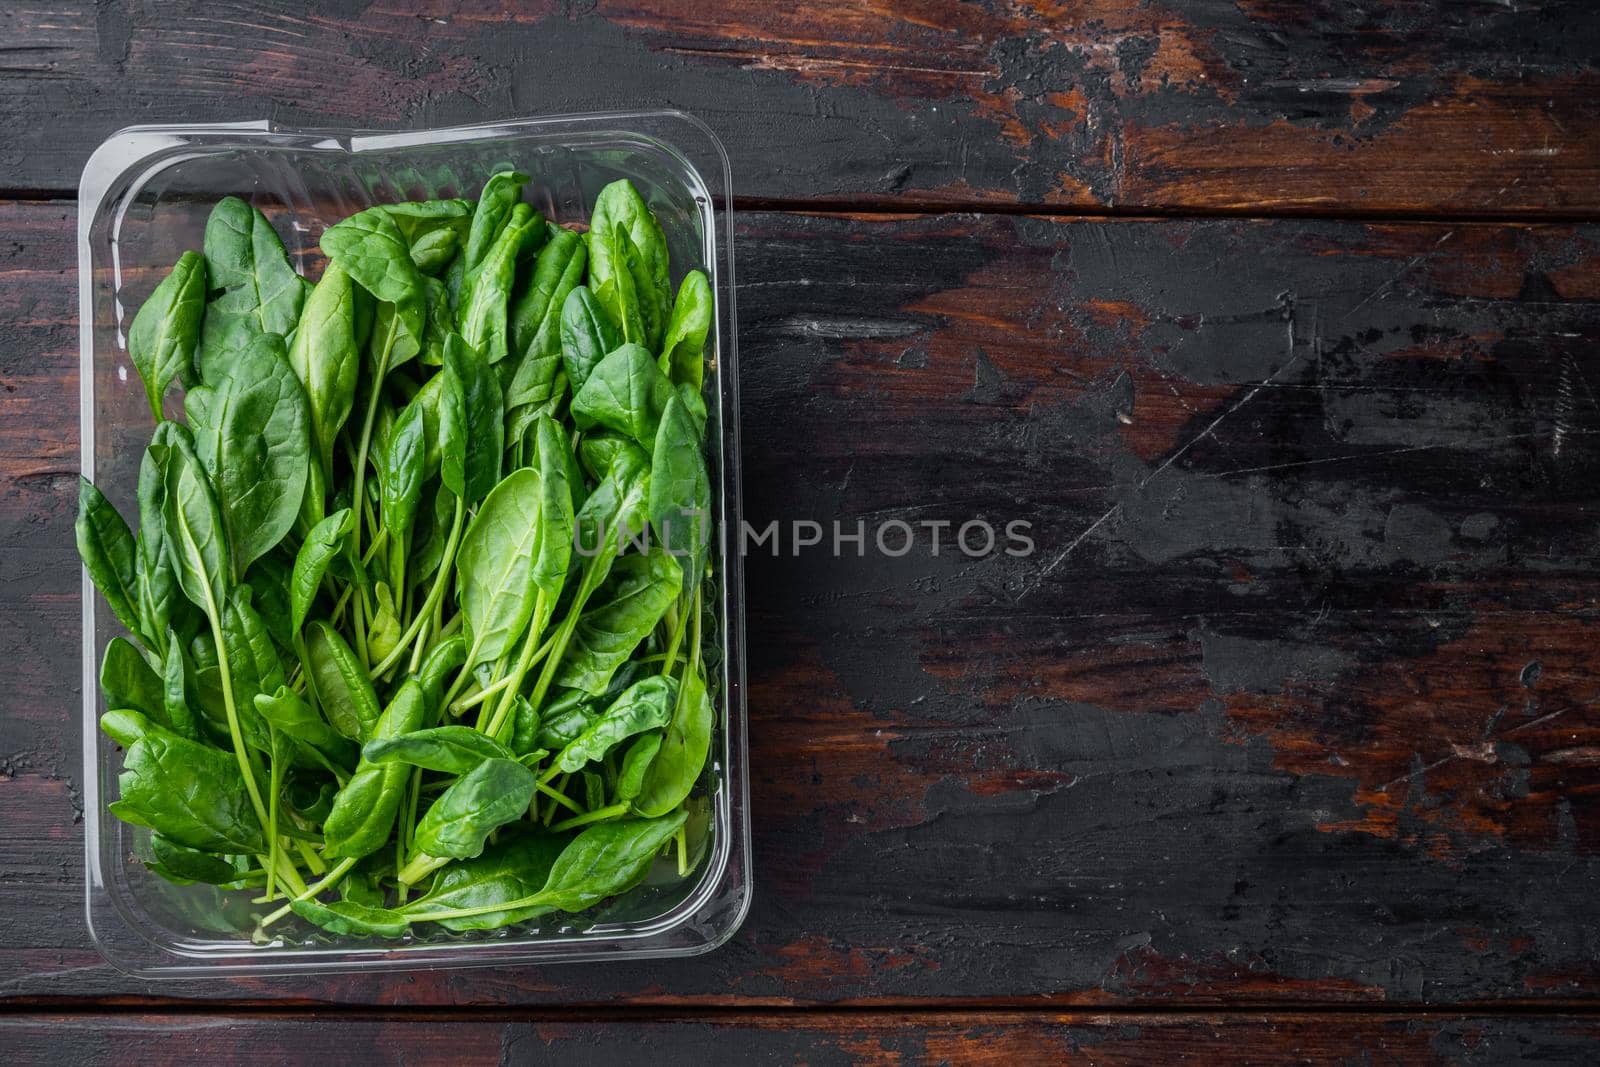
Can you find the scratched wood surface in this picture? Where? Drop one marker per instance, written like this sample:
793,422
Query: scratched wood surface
997,1039
1292,704
1443,107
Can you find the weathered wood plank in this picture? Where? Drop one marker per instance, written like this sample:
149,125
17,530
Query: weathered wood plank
1292,703
1438,107
811,1038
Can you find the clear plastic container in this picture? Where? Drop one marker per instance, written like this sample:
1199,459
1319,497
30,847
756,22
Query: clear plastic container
143,199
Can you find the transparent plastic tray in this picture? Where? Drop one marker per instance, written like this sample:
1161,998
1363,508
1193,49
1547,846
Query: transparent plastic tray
143,199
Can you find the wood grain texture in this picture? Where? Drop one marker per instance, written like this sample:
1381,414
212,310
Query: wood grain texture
821,1039
1433,106
1293,703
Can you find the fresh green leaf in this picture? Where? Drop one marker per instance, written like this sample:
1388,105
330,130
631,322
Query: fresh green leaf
621,613
626,392
448,749
350,919
483,426
646,705
321,546
606,859
109,553
683,347
342,687
588,335
495,792
166,331
677,766
191,793
326,359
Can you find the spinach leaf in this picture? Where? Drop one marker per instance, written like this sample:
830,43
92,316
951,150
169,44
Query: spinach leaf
588,335
607,859
536,319
188,792
495,792
599,450
341,685
260,292
448,749
500,193
677,766
626,392
496,563
166,331
680,492
622,613
646,705
321,546
192,527
191,865
416,219
371,249
442,659
327,360
434,250
363,813
400,466
683,347
284,710
175,691
636,764
253,434
109,553
636,260
508,871
481,308
127,681
483,425
351,919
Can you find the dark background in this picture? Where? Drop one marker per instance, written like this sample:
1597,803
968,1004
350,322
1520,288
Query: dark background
1279,320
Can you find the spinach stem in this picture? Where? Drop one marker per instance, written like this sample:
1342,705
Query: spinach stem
559,798
524,661
597,815
435,592
333,878
234,732
359,463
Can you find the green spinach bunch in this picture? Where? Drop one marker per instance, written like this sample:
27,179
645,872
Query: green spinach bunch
414,606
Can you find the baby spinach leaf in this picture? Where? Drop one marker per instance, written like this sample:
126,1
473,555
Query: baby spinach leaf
363,813
524,727
536,318
321,546
341,685
495,792
683,347
434,250
191,793
626,392
351,919
284,710
482,307
496,564
621,613
500,194
680,493
418,218
192,527
443,659
599,450
507,871
618,291
125,725
635,764
371,249
109,553
166,331
325,357
400,466
606,859
253,435
192,865
677,766
448,749
260,292
619,209
646,705
127,681
588,335
483,426
175,691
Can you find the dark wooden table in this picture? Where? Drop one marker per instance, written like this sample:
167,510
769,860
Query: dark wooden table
1281,324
